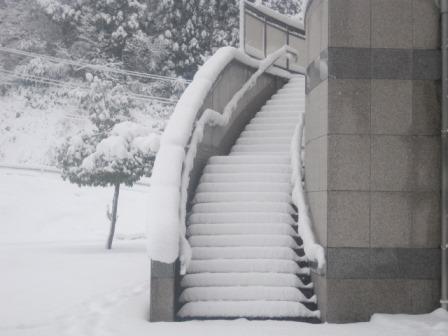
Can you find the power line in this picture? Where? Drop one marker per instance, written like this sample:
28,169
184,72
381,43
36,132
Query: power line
91,66
43,80
62,84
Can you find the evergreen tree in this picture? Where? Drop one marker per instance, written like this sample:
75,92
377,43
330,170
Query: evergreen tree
287,7
185,28
170,37
192,30
106,23
114,152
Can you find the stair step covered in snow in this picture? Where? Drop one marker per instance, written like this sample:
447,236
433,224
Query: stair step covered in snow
247,257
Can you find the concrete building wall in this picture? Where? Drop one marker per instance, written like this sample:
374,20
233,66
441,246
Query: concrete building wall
373,154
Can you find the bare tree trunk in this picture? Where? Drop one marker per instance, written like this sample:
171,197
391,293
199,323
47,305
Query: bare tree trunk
113,219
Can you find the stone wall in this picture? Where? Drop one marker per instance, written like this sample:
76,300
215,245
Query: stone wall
373,154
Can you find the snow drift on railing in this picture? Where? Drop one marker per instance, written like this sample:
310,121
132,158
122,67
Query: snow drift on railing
313,251
165,229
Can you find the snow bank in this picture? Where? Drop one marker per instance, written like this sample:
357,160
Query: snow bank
167,201
313,251
437,321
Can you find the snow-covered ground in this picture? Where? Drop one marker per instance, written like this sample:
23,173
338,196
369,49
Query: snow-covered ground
40,207
29,132
57,279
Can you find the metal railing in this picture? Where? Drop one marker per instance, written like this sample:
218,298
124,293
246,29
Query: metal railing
263,31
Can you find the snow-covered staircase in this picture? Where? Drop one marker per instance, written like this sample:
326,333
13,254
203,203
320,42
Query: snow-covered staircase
248,261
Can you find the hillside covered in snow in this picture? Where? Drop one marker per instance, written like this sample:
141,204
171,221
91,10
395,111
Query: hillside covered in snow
39,98
35,121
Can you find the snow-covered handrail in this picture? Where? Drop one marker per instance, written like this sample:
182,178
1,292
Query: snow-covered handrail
313,251
166,225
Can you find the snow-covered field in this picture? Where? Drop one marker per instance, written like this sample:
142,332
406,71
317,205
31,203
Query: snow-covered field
57,279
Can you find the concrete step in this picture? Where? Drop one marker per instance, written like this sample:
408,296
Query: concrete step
244,280
240,217
277,120
243,294
240,229
247,168
267,133
245,177
246,266
204,253
271,127
264,141
258,160
258,187
247,309
262,148
241,196
244,240
235,207
274,113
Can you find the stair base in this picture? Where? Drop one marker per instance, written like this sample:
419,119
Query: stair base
312,320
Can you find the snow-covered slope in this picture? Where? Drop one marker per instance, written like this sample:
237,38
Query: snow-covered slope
247,257
30,133
34,122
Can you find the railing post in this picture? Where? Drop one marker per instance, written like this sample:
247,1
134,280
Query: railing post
242,26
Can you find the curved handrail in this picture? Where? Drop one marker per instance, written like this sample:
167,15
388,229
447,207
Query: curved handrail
164,229
213,118
313,251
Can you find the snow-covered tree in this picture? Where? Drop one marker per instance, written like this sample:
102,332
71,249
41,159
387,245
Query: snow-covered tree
125,155
114,151
192,29
107,103
170,37
108,23
287,7
143,53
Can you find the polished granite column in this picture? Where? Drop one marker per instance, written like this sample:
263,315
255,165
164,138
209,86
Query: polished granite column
373,154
